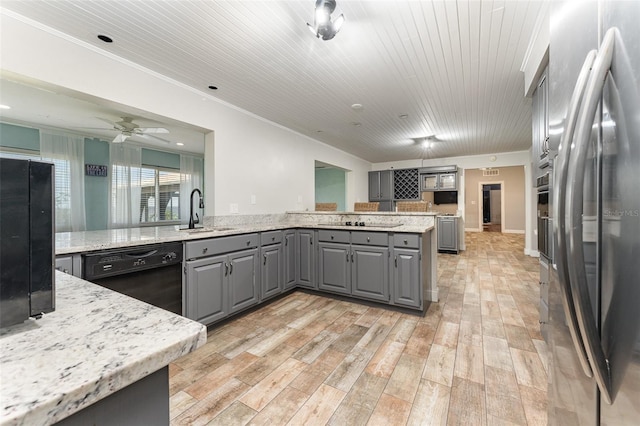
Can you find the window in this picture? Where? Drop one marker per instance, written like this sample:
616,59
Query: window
160,195
62,186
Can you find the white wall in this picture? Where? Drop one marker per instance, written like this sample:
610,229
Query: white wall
244,155
519,158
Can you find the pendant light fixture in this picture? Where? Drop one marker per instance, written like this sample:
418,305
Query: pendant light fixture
322,26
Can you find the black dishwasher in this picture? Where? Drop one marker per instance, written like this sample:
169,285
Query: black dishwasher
150,273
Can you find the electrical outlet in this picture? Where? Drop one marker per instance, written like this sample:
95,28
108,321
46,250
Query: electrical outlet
253,199
233,208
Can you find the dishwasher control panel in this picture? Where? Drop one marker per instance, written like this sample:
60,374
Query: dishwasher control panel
123,261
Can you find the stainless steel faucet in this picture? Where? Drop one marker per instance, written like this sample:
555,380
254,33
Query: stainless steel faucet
192,222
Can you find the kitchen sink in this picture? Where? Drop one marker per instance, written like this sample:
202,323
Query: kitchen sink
199,230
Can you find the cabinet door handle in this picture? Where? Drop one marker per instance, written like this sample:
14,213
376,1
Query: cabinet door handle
230,268
264,259
286,242
351,257
226,269
311,242
368,239
204,250
347,256
395,260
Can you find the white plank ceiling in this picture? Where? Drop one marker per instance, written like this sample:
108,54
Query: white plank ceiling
453,67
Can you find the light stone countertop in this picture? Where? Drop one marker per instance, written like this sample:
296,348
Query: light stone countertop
95,343
87,241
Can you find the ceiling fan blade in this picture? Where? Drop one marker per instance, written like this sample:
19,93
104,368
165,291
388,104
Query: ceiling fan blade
120,138
149,136
152,130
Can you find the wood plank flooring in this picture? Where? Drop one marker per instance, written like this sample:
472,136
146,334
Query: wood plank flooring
475,358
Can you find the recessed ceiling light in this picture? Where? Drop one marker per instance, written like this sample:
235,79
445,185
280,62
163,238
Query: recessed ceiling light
105,38
356,123
213,88
5,107
318,131
356,107
403,116
179,144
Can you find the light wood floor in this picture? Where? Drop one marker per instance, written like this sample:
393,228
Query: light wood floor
475,358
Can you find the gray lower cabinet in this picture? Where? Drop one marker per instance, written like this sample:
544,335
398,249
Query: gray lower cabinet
370,272
448,233
222,277
289,259
243,280
207,288
359,268
334,267
305,258
272,271
70,264
407,281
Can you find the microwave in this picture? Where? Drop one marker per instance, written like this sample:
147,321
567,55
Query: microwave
27,239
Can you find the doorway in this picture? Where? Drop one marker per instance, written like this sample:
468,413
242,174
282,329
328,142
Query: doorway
330,185
491,213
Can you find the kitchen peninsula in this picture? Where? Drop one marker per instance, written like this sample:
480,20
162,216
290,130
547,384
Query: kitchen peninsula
406,240
99,355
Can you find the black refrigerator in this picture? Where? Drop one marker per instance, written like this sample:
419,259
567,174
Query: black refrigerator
27,229
594,294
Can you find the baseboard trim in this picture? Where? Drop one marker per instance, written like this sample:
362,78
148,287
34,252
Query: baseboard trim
513,231
472,230
532,253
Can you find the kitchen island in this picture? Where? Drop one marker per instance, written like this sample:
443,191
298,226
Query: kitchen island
96,345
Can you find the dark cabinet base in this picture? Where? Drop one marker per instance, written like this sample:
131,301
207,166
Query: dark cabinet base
145,402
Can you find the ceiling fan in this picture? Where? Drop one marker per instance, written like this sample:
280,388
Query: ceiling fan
128,128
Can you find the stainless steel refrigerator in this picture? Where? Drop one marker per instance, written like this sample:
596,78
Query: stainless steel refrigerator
594,295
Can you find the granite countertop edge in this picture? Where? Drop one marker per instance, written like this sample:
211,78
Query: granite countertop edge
68,243
95,343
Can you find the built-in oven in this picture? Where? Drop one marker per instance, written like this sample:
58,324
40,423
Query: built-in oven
545,220
151,273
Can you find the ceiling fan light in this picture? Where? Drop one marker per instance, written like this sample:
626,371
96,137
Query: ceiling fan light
323,16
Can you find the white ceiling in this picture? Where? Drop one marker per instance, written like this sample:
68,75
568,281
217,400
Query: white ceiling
453,67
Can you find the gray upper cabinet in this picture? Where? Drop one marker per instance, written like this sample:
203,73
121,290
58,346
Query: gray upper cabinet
540,125
439,181
305,258
381,185
289,238
447,233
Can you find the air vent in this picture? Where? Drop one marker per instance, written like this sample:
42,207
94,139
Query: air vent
491,172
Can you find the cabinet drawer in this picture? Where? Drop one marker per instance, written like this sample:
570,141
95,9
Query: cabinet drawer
271,237
406,241
214,246
370,238
333,236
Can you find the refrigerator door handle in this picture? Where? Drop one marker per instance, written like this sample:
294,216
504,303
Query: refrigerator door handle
559,212
574,226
